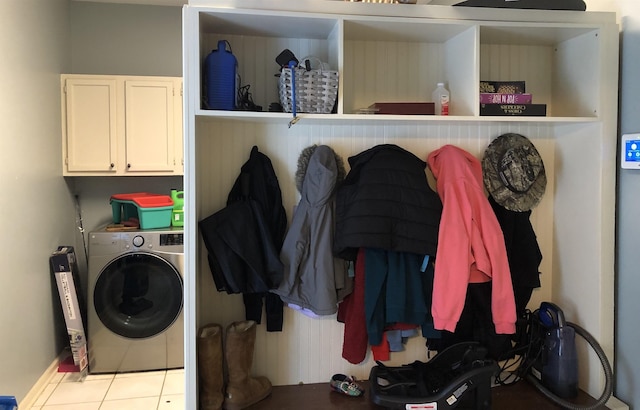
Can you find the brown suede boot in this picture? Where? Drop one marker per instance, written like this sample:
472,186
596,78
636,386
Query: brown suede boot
210,367
242,390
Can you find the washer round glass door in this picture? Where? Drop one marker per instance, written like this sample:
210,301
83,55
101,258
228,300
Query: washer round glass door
138,295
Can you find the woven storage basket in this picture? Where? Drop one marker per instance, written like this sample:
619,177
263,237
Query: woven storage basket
316,90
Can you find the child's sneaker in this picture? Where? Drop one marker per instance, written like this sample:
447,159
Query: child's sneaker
346,385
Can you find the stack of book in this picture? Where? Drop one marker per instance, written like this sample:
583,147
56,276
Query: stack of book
508,98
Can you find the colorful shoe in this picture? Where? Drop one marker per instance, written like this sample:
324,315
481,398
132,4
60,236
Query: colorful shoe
346,385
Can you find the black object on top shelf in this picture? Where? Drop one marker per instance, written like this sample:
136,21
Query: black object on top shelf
577,5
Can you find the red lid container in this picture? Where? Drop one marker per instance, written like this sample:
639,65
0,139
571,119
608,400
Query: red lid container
145,199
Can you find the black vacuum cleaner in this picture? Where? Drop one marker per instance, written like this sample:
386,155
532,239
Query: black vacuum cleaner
546,356
551,363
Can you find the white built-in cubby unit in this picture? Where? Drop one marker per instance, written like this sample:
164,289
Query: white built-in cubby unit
396,52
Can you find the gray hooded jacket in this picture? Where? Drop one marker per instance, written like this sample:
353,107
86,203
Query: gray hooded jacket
313,279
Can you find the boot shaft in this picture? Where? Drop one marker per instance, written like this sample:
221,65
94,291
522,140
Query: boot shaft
242,390
210,367
239,347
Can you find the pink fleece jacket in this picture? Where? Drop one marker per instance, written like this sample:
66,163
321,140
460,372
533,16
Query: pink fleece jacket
471,246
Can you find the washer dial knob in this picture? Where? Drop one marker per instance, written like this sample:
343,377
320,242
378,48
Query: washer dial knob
138,241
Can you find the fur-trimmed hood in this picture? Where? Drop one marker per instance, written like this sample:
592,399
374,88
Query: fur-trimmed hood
303,165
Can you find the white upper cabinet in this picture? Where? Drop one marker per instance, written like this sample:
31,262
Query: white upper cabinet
120,125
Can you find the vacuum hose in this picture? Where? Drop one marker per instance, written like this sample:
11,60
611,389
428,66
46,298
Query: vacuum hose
608,387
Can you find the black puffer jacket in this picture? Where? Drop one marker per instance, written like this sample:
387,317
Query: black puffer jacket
386,203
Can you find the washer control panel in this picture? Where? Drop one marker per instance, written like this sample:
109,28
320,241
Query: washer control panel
107,243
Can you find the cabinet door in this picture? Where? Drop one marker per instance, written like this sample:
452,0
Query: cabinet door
178,125
149,125
91,137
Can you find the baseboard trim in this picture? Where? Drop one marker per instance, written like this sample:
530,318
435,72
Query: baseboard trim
33,394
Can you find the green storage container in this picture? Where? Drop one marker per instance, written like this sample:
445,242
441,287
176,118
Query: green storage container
151,210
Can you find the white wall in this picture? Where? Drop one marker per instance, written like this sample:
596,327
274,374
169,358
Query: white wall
37,209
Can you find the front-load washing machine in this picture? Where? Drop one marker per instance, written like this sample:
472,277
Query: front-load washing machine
135,300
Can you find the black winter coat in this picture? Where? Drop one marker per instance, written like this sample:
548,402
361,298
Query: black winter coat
385,202
244,240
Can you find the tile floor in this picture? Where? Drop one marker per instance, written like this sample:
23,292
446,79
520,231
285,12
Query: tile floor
155,390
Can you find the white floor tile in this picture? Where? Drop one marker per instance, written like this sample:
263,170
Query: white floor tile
171,402
175,371
141,374
142,403
76,377
173,383
44,395
74,406
143,385
154,390
79,392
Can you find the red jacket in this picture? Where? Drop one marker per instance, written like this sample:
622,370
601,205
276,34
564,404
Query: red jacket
471,245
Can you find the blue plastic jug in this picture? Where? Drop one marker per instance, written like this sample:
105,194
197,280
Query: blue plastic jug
221,68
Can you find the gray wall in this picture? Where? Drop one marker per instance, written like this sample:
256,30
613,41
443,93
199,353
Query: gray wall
627,361
37,208
126,39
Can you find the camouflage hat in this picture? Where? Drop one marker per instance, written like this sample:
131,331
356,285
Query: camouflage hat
513,172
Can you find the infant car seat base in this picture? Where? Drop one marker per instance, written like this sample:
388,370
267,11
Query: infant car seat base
459,375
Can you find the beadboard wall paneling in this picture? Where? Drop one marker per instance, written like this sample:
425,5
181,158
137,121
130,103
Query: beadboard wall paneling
309,350
393,72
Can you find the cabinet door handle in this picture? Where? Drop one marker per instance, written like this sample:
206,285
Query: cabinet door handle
128,166
112,165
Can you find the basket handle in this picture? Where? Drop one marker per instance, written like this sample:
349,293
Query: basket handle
322,66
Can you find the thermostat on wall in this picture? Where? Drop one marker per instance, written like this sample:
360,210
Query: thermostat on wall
630,155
